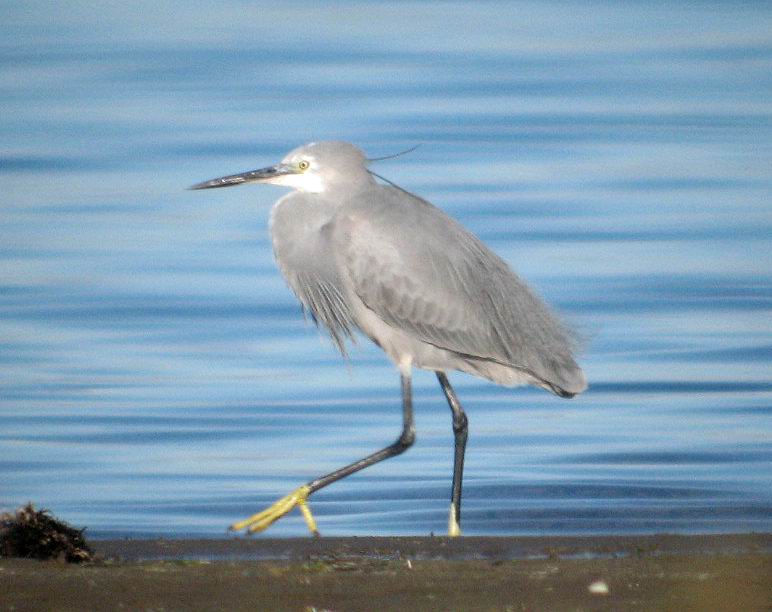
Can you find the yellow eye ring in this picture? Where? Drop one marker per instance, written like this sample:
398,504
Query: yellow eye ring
303,165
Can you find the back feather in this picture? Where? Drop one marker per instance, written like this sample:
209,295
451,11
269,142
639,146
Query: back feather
424,273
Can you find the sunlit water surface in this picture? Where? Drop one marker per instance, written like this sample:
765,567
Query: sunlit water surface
157,377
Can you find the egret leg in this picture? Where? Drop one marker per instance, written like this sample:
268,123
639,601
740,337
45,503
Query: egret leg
262,520
460,432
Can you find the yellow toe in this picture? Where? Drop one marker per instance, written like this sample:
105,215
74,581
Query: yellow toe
454,529
264,519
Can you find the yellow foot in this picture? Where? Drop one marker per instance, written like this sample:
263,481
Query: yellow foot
266,518
454,529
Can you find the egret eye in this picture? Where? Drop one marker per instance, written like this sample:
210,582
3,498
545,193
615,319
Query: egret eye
303,165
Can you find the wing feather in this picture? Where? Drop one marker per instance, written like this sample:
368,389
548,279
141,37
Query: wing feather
423,273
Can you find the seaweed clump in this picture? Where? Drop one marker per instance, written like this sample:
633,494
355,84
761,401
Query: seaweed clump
36,534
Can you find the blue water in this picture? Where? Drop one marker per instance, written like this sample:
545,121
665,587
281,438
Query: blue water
156,375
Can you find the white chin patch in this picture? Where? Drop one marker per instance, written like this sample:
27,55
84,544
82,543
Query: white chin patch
307,181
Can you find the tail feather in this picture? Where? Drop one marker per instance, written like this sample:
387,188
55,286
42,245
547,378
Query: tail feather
568,382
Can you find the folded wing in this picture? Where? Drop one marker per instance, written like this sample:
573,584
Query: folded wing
423,273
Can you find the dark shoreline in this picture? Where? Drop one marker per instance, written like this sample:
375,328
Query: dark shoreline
659,572
482,548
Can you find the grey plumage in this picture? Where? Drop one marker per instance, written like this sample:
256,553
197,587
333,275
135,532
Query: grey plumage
423,275
364,256
308,263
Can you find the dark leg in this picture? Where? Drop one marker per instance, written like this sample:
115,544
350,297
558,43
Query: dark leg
460,431
401,444
262,520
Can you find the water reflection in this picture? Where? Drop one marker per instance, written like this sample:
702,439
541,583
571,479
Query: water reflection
157,376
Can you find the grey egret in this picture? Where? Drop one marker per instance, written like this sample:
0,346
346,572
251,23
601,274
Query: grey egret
363,256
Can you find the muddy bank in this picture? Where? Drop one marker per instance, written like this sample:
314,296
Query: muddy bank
427,548
646,573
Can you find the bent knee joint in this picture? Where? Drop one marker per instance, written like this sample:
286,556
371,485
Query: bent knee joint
460,424
406,440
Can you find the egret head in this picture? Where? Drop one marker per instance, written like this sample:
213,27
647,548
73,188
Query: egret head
315,167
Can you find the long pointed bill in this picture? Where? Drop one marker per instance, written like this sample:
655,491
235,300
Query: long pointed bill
253,176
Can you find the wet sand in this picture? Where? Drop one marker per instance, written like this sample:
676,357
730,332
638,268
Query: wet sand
727,572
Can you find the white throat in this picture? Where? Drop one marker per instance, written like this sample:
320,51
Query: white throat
309,182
